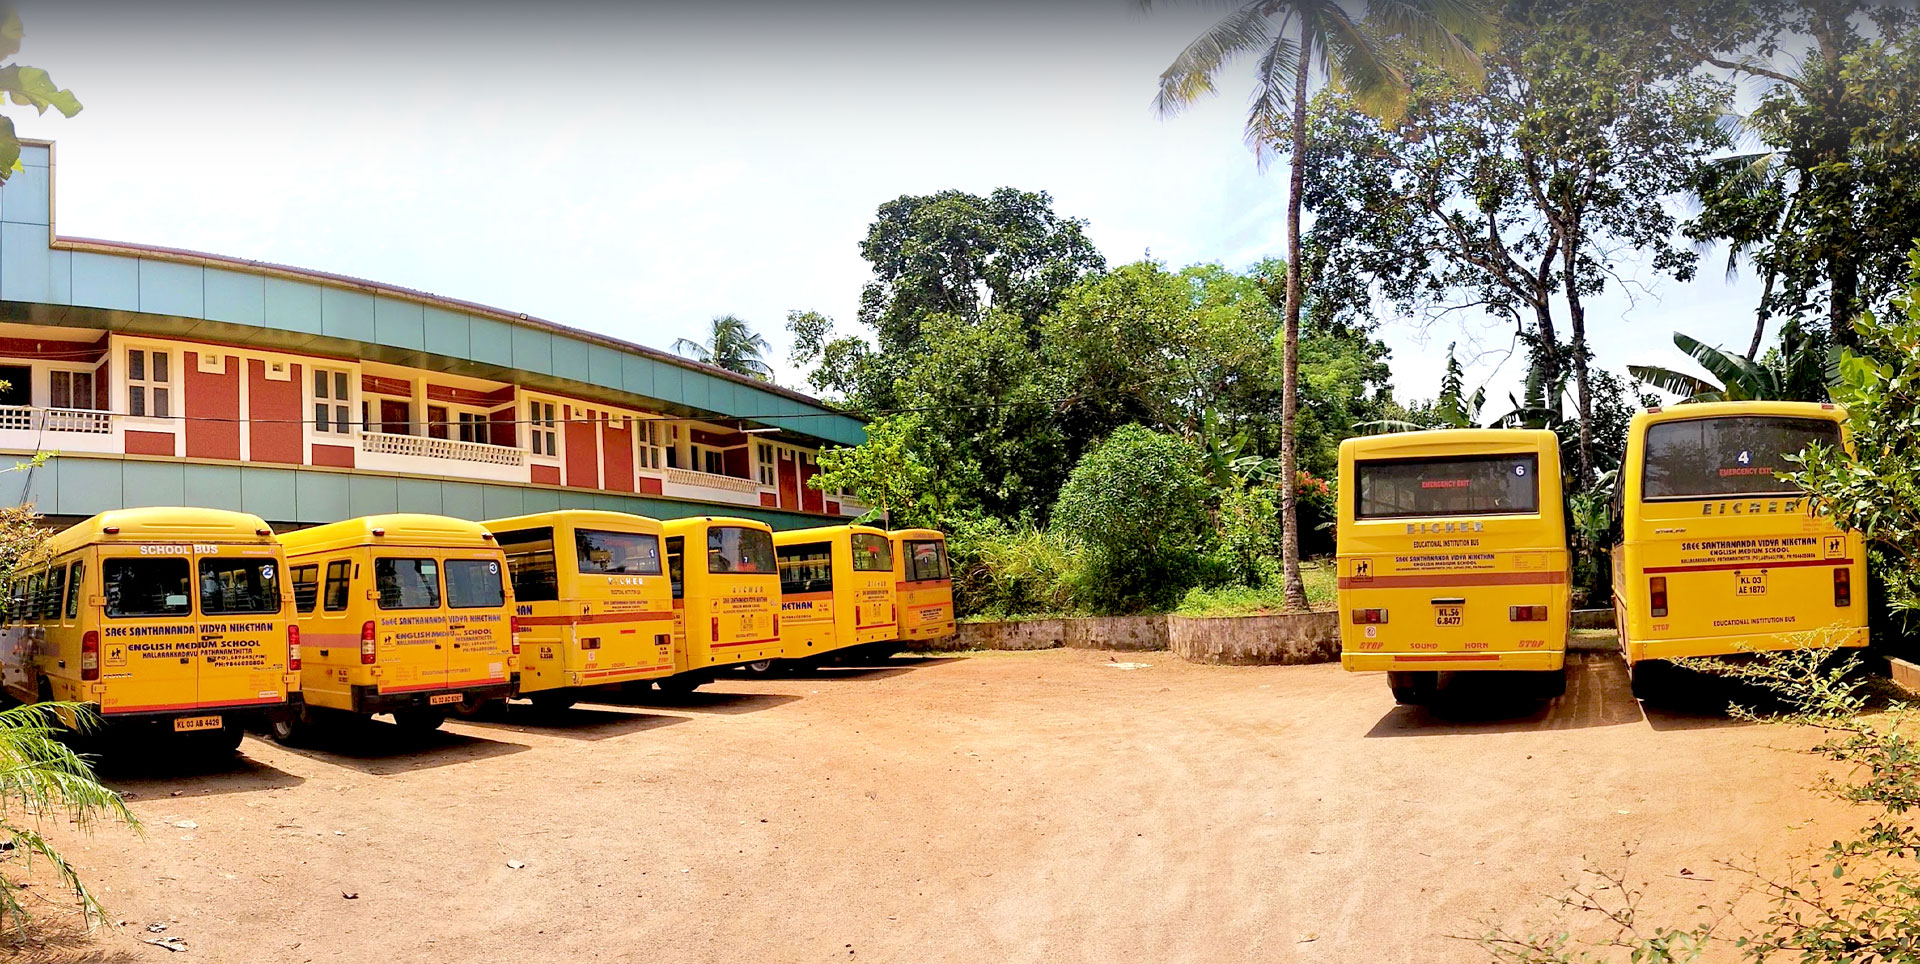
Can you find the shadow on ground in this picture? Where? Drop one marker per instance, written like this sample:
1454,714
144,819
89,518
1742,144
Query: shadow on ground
1598,694
57,936
378,747
148,775
699,701
574,723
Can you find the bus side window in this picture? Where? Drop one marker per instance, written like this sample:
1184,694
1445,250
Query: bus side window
676,568
74,583
36,596
306,587
56,593
337,578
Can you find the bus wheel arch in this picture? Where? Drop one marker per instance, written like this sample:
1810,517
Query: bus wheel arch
1413,688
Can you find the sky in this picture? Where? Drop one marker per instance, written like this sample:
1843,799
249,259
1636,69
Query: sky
637,169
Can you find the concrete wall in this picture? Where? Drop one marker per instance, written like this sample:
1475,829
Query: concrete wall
1593,618
1256,640
1236,640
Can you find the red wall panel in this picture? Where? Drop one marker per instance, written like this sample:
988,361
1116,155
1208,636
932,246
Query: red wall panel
212,407
546,475
649,485
811,500
340,456
102,385
736,462
274,412
617,463
501,429
768,500
149,443
583,448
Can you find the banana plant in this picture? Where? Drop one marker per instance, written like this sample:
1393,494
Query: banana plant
1799,368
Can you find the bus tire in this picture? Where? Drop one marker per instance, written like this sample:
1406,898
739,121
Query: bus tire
1413,689
680,684
1553,685
291,728
222,742
761,667
476,709
419,720
553,702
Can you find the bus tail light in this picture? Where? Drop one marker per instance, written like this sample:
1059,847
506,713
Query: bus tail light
589,642
1369,617
716,629
90,655
1843,586
1657,593
1527,614
293,647
513,631
366,643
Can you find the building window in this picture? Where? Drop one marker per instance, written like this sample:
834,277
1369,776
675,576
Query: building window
473,427
149,383
766,462
545,428
716,462
72,389
650,456
330,403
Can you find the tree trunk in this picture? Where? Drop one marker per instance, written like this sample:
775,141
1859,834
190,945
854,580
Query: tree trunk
1843,282
1296,589
1760,315
1577,326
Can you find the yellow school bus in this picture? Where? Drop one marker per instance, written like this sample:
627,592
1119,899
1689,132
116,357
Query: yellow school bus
404,614
922,583
726,597
1453,557
591,599
166,619
836,590
1714,555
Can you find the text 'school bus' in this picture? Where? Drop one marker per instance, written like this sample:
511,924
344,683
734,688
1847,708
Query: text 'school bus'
403,614
1453,557
726,597
922,583
1713,554
836,590
168,619
591,599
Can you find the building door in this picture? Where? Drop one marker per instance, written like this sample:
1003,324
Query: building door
437,421
789,481
396,418
16,385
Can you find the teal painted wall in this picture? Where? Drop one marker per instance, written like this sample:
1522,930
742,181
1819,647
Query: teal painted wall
246,308
76,486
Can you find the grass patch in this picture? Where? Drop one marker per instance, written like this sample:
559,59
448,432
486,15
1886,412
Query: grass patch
1321,577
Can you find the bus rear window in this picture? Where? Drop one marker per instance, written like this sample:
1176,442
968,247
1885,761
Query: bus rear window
233,587
407,583
474,584
617,553
872,553
1733,455
1449,486
739,549
925,560
146,587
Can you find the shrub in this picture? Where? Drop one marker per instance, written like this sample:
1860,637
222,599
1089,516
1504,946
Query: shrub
1001,571
1137,502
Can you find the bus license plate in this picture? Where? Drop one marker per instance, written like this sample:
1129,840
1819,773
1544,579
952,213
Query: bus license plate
1750,583
443,698
1446,615
187,724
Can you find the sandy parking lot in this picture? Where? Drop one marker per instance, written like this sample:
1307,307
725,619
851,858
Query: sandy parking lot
1002,807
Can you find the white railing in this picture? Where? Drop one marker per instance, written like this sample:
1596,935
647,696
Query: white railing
28,418
440,448
711,481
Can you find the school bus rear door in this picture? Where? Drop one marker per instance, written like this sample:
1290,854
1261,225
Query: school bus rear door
156,657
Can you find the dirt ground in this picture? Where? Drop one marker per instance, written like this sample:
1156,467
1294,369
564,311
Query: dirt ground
1006,807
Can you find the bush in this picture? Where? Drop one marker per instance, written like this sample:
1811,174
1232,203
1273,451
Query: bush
1002,572
1137,502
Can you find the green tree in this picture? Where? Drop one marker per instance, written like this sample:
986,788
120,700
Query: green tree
1515,194
885,473
1826,209
1138,502
1794,370
731,344
25,87
1293,41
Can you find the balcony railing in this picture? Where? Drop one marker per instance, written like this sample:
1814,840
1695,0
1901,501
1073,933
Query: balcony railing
426,446
30,419
711,481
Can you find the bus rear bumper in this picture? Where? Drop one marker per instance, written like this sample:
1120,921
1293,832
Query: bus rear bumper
1849,636
1542,661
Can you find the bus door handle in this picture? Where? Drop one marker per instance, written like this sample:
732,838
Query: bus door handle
1449,600
436,645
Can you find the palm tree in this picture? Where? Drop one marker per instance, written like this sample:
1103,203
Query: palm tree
733,345
1796,370
1297,40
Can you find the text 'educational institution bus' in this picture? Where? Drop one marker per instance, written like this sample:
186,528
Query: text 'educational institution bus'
591,599
1453,557
1713,554
167,619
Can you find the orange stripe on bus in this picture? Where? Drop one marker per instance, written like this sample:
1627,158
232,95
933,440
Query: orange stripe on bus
750,642
1445,657
441,686
1721,566
1439,580
924,583
596,674
165,707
